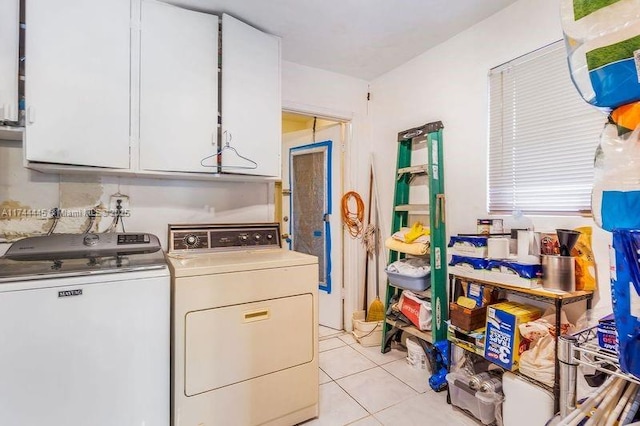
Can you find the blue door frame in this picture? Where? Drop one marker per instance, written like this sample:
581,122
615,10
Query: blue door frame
326,286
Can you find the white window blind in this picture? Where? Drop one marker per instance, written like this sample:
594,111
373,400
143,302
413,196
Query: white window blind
542,137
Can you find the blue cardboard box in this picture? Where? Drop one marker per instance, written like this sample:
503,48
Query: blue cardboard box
503,343
608,334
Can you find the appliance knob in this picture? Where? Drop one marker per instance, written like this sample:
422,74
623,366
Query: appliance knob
191,240
269,237
243,238
257,237
90,240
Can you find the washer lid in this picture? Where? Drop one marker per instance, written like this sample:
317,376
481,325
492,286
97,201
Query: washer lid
22,270
194,264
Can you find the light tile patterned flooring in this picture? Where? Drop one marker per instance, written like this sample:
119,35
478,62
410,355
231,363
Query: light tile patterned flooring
360,386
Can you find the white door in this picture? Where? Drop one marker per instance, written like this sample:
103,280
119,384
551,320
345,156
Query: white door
9,33
178,89
312,180
78,74
251,100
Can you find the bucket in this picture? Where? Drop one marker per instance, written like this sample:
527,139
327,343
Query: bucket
366,333
415,355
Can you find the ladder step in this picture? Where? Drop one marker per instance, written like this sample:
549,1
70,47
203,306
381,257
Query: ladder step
414,170
422,209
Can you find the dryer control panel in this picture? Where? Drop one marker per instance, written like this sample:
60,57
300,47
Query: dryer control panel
224,237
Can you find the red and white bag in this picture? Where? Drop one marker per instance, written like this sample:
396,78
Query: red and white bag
417,310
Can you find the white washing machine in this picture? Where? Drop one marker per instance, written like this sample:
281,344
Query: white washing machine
84,331
244,327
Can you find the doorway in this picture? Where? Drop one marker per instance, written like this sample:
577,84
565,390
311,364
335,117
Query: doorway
311,190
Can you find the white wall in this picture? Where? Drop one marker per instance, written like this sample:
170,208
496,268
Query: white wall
449,83
154,203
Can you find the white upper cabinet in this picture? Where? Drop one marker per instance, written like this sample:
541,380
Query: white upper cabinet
9,34
178,89
251,100
77,82
133,87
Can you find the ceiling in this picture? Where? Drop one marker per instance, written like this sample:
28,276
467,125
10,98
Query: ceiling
360,38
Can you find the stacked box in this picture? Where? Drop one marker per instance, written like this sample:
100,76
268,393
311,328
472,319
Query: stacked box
470,246
489,226
482,294
608,334
467,319
503,343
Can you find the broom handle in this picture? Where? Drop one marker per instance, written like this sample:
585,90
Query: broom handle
376,237
366,252
376,247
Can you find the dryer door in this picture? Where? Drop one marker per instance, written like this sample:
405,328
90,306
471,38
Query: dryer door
235,343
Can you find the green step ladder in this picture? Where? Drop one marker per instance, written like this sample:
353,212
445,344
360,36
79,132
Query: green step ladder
431,134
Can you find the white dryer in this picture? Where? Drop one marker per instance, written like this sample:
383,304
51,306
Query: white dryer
244,327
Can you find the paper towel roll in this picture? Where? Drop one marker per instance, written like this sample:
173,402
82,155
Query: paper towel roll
525,238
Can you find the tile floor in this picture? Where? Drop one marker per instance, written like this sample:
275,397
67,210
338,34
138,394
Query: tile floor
360,386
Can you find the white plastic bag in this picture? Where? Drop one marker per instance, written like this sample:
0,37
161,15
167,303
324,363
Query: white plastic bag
417,310
539,361
616,187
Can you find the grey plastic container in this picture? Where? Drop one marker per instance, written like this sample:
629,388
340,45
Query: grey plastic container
409,283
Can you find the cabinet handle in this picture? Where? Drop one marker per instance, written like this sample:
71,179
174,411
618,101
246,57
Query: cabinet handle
31,115
259,315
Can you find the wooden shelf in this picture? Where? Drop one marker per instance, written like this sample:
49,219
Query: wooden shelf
410,329
534,293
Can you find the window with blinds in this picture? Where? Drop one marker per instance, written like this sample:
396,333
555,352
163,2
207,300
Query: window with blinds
542,137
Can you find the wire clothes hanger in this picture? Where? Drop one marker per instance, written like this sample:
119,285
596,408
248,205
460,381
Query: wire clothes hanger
227,146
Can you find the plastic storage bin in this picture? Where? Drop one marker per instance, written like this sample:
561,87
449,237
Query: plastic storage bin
481,404
420,283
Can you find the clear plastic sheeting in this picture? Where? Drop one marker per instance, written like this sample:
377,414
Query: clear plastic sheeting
309,201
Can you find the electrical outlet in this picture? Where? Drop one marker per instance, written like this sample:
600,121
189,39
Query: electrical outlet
119,200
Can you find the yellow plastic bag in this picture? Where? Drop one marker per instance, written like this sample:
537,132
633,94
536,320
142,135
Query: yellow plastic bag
585,263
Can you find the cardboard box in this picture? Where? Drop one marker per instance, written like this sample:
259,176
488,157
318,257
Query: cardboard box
503,343
471,246
489,226
608,334
482,294
470,340
467,319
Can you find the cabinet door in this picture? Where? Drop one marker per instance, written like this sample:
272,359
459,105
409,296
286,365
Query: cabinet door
178,89
251,99
77,82
9,34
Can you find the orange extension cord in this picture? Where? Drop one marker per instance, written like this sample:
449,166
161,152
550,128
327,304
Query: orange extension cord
353,220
